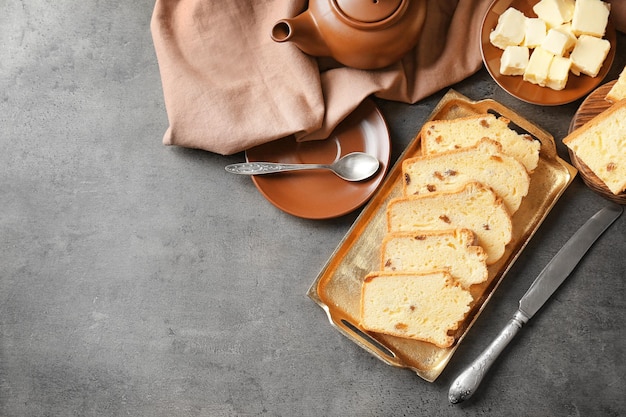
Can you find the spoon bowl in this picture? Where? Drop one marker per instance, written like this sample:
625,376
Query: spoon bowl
355,166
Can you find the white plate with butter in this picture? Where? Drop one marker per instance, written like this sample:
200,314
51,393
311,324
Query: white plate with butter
544,79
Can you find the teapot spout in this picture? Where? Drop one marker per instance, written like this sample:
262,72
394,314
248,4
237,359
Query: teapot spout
303,31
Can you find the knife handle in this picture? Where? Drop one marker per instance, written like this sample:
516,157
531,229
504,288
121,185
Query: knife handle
467,382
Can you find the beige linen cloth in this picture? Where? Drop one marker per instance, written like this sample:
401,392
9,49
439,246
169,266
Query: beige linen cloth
228,87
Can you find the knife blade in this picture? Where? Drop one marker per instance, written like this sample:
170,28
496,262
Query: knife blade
546,283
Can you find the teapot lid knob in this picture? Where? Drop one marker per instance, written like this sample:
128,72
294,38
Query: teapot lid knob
368,11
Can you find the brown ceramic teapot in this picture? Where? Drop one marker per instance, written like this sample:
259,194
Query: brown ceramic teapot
365,34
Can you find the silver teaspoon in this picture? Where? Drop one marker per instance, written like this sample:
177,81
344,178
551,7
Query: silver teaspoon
356,166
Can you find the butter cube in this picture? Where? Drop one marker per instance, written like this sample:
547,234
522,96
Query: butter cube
514,60
510,29
558,42
535,32
538,67
589,55
567,29
590,17
558,73
555,12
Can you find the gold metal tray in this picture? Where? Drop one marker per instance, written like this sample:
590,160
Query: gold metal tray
337,288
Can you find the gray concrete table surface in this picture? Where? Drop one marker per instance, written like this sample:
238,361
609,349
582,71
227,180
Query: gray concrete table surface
142,280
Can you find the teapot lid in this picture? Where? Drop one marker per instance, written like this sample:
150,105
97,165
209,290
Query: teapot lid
368,11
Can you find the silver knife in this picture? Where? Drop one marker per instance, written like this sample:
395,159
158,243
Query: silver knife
539,292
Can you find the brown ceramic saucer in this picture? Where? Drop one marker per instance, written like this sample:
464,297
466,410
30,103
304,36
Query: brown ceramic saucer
577,86
593,105
320,194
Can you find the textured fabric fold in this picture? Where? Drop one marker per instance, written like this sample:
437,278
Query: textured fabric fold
227,85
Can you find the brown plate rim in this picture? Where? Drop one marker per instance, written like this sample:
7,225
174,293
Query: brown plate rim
319,195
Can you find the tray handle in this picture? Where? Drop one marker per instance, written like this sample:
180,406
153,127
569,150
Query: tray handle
368,342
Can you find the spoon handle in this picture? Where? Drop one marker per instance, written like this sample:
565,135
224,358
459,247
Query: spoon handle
258,168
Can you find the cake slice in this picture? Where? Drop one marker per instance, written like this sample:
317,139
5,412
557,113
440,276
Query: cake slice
473,207
600,144
421,306
618,91
444,135
450,250
485,163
